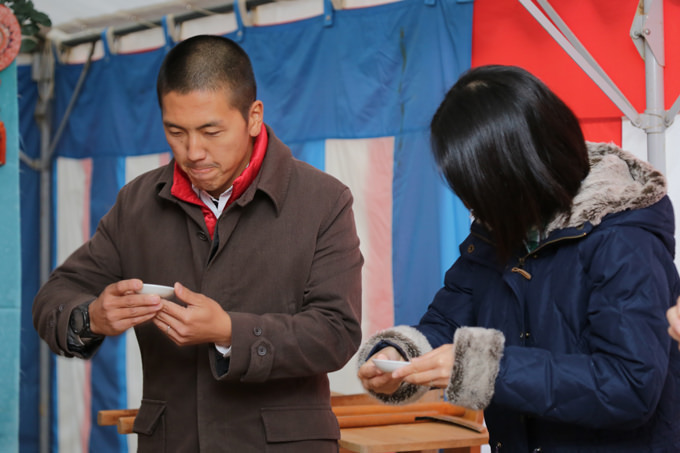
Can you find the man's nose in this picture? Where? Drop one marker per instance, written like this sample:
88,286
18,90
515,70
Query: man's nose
195,148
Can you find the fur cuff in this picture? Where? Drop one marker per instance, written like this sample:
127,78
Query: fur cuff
414,344
478,353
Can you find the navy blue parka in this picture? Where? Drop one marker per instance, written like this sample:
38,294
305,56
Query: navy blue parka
587,364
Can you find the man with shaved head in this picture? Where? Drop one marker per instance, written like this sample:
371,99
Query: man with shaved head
262,253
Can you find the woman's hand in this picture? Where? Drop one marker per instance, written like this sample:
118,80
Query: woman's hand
378,381
432,369
673,315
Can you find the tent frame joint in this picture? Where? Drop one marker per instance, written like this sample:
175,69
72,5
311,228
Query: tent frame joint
648,26
652,122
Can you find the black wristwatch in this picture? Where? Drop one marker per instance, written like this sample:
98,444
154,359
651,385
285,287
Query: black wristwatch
80,322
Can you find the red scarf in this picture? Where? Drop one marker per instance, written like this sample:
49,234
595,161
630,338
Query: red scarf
181,184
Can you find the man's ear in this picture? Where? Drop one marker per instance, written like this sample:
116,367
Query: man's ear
255,118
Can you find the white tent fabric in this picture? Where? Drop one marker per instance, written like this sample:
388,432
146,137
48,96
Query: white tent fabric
75,17
78,19
77,10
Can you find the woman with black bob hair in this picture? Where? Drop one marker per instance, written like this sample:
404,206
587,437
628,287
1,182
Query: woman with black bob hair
553,318
510,149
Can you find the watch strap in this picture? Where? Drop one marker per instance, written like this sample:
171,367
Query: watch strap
82,310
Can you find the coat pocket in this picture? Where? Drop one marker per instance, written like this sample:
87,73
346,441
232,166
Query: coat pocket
300,424
150,426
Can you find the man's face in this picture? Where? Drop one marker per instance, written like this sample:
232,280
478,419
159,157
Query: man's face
210,139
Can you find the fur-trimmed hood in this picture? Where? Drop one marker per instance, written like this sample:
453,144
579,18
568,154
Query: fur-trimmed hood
617,181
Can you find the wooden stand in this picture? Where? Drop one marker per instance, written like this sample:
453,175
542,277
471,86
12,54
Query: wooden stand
424,437
367,426
413,437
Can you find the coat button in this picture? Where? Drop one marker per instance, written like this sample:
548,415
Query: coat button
471,248
202,236
257,331
61,308
261,350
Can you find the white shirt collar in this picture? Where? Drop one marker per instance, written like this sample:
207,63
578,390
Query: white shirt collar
209,201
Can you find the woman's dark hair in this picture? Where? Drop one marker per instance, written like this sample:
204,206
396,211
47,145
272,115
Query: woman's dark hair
211,63
511,150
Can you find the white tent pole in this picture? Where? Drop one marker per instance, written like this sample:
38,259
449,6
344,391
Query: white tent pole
654,83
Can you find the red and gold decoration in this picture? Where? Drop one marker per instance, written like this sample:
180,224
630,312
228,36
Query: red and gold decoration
10,37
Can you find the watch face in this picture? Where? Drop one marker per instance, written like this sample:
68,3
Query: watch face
77,321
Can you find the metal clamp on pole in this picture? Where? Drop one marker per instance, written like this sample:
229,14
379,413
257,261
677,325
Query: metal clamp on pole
648,27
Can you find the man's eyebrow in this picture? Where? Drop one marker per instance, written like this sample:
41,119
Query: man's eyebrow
202,126
210,124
